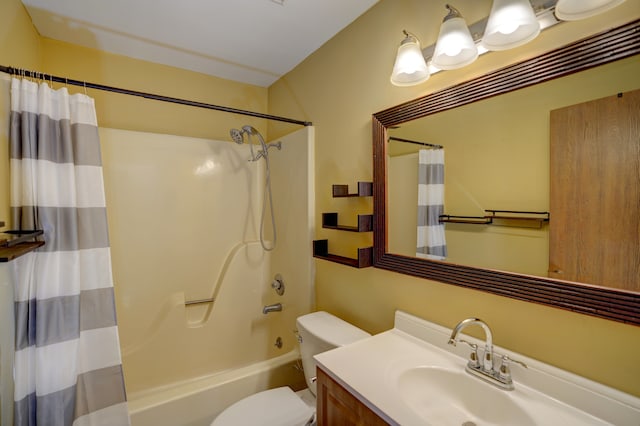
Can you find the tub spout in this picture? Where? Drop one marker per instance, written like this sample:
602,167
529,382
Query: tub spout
276,307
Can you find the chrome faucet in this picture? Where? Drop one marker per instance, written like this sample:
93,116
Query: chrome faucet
485,370
276,307
487,359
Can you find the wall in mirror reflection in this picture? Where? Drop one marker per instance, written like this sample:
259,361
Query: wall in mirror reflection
496,157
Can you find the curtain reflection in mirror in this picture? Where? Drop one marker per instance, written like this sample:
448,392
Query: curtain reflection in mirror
430,237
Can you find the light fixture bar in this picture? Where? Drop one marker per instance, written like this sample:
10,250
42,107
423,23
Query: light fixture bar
544,10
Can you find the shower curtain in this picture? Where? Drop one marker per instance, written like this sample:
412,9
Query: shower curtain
431,239
68,368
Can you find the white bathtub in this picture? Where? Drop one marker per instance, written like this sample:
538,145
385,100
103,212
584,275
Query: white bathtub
197,402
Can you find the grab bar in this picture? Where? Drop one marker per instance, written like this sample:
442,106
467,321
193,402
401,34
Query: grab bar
198,302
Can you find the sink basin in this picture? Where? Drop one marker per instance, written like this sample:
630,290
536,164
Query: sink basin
447,397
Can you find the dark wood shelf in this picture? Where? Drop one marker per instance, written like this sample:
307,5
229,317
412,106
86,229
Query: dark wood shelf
365,223
330,221
519,219
473,220
16,243
365,189
10,253
364,260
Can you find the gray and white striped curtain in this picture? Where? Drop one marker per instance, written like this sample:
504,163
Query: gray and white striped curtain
431,239
68,369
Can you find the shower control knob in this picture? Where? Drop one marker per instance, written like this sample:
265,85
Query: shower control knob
278,284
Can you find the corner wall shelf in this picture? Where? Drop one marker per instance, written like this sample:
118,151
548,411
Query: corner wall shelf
365,223
364,259
365,189
330,221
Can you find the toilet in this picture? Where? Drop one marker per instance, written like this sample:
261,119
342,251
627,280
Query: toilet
317,332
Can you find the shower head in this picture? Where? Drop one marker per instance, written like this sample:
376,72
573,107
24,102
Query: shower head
237,136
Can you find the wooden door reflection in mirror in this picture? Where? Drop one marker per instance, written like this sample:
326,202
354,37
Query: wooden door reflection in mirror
595,193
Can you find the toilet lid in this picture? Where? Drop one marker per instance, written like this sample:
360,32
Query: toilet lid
280,406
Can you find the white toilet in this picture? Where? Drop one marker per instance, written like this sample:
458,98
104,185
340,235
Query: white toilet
317,332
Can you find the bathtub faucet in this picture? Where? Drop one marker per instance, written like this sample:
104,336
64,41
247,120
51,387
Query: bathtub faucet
276,307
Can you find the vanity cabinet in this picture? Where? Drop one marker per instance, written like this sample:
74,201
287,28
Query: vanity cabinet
338,407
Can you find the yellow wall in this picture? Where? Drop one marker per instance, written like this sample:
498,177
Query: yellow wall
338,88
19,47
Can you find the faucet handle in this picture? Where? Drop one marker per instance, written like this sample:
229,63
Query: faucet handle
504,371
473,356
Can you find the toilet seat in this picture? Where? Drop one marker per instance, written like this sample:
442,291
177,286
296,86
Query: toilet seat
280,406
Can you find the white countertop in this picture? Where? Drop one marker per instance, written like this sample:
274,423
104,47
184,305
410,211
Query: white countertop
371,369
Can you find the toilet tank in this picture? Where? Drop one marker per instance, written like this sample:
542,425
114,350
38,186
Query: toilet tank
319,332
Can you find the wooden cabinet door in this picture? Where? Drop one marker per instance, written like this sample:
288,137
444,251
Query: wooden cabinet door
595,192
338,407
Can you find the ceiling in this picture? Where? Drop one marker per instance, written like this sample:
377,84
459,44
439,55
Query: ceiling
250,41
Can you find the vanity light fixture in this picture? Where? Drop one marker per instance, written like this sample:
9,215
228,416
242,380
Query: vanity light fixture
410,67
455,47
511,23
573,10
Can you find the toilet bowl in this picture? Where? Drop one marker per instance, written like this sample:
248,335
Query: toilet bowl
317,332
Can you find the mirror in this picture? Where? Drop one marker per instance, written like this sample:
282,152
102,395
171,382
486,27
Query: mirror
404,121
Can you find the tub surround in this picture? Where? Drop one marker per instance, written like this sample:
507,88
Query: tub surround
390,372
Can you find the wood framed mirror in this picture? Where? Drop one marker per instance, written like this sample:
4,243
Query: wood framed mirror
610,303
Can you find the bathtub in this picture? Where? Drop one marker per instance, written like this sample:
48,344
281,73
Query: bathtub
197,402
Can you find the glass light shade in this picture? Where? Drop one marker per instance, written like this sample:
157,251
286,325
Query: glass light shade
511,23
410,67
455,47
572,10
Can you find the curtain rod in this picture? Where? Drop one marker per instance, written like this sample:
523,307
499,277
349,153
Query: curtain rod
391,138
49,77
